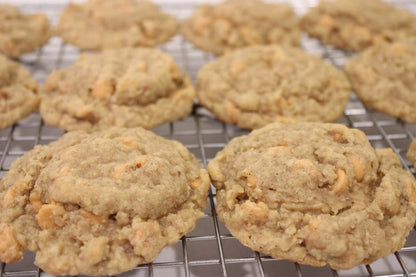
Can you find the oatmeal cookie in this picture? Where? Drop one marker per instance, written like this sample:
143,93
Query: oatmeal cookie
21,33
100,203
127,87
102,24
411,153
257,85
17,92
358,24
238,23
314,193
384,78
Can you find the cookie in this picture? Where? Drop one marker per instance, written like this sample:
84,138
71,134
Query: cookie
258,85
237,23
411,153
384,78
18,96
103,24
100,203
357,24
314,193
21,33
127,87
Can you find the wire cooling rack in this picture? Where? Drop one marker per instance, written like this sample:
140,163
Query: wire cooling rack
209,250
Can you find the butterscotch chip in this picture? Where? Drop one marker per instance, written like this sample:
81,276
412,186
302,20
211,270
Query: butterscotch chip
90,221
319,201
10,249
257,85
102,24
126,87
21,33
357,24
384,78
238,23
17,92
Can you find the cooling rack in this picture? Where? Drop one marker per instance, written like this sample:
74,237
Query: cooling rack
209,250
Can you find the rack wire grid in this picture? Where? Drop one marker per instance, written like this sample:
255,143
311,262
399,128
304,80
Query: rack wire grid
209,250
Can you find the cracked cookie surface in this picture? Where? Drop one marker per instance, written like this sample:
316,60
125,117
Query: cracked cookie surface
17,92
126,87
384,78
258,85
357,24
102,24
314,193
21,33
100,203
237,23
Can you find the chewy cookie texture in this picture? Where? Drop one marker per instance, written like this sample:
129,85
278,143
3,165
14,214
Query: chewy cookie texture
257,85
237,23
91,203
21,33
358,24
126,87
102,24
384,78
17,92
314,193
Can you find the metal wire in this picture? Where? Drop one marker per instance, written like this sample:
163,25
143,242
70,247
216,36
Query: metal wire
210,250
